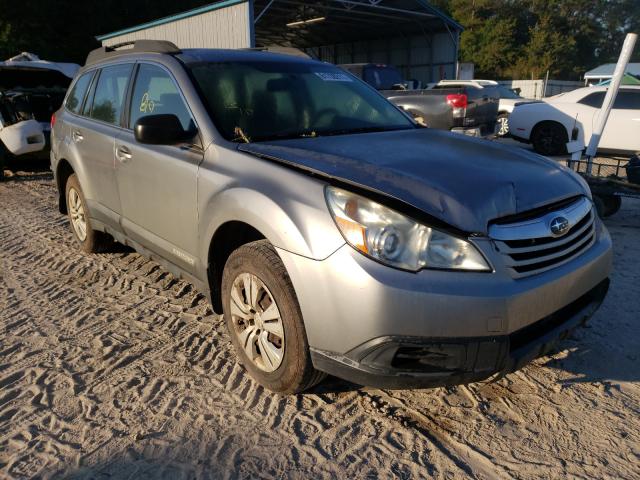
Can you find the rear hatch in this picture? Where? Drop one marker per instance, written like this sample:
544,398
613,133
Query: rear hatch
31,93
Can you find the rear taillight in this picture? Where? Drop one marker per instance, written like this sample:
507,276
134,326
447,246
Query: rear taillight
457,100
53,119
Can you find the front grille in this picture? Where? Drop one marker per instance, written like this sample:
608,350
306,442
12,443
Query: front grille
529,255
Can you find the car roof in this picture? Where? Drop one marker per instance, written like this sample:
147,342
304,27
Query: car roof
580,93
163,48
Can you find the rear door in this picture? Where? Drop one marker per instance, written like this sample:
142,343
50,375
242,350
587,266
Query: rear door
93,133
622,131
157,183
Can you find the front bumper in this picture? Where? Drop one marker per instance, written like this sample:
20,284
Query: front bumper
413,362
357,313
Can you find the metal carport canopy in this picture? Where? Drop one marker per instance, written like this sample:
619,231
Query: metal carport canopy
287,22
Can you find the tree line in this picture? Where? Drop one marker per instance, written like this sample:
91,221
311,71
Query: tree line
504,38
523,39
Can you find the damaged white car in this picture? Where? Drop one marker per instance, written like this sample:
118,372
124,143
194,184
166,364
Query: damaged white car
30,91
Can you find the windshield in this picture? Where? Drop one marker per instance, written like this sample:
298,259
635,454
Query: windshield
507,93
252,101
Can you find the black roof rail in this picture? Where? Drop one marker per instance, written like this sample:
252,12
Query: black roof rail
138,46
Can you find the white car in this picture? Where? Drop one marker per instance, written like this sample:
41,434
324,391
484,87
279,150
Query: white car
549,125
508,99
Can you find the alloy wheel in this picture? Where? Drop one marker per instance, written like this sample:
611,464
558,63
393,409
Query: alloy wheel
76,212
257,322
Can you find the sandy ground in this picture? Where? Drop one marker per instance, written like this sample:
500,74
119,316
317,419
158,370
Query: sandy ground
112,368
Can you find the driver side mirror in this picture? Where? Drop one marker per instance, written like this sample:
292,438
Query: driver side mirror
161,129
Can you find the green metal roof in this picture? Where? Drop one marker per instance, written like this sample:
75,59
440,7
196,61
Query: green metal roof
171,18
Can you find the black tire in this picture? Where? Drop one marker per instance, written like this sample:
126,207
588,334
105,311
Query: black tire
95,241
549,138
296,372
611,204
502,125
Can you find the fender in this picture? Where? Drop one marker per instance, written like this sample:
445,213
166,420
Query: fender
278,223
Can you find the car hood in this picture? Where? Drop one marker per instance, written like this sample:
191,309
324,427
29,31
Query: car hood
463,181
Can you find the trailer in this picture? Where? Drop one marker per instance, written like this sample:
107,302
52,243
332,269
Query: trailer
609,181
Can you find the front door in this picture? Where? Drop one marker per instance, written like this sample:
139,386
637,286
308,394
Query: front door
158,183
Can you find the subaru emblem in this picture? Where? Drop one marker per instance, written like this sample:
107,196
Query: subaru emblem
559,226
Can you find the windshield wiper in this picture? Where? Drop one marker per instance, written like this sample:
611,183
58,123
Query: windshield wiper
285,136
349,131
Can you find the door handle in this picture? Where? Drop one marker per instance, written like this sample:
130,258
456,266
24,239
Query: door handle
123,154
77,136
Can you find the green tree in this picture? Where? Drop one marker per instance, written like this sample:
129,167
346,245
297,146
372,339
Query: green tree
525,38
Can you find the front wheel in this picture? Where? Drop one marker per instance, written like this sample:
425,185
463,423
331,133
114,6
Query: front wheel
264,320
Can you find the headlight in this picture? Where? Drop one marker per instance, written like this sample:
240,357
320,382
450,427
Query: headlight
397,240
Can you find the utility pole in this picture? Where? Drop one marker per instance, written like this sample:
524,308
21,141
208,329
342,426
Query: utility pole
610,97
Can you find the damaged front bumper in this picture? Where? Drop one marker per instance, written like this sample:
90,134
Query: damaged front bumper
414,362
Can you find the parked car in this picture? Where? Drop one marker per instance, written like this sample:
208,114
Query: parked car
549,125
334,233
457,108
30,91
508,99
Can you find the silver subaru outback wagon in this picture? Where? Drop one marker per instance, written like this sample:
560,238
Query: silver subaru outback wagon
334,233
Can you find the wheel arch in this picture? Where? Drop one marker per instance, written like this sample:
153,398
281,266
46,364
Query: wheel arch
63,171
541,123
228,237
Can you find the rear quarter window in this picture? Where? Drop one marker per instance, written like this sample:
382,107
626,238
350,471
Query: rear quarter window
78,91
109,94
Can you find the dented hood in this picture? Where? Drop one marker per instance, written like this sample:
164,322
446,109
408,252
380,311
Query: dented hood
463,181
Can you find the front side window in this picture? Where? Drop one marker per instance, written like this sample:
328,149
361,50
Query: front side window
109,93
254,101
156,93
74,101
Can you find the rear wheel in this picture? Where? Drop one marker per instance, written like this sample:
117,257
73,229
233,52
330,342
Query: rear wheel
264,320
549,138
90,240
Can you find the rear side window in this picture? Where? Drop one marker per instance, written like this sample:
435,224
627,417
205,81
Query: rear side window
627,100
109,95
74,100
594,99
156,93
